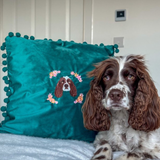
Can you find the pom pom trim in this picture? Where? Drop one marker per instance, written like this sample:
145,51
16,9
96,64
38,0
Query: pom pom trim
10,34
5,77
4,69
3,108
2,48
4,63
4,55
32,37
26,37
8,93
6,100
4,114
6,89
101,45
116,50
18,34
6,81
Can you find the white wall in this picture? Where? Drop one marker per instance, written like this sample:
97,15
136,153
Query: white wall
141,30
87,20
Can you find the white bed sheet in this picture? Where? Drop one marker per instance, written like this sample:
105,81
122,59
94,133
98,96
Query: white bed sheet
17,147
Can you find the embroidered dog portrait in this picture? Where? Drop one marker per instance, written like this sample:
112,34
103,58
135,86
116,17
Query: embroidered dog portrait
65,84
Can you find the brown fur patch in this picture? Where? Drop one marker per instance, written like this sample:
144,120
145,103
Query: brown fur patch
132,155
146,155
101,157
124,137
103,142
105,149
98,151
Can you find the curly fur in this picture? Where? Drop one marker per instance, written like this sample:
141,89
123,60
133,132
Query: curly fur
96,117
145,114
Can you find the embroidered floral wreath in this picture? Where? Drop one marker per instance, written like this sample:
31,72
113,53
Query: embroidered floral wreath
65,84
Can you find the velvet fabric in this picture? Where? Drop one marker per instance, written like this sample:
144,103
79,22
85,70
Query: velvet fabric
34,70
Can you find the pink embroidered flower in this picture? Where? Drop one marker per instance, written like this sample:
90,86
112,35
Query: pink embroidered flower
72,73
54,73
52,100
77,76
79,99
50,96
50,75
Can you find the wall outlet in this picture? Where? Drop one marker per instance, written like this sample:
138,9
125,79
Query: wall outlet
119,41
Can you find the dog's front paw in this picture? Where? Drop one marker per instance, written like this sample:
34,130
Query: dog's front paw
130,156
103,152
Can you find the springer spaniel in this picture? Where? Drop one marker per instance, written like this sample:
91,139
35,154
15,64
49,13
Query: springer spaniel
123,105
65,84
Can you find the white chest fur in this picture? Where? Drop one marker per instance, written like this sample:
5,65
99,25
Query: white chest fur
120,136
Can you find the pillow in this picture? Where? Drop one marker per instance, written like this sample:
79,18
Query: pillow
47,85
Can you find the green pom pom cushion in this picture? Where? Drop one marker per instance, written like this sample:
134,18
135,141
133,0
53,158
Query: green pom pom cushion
46,85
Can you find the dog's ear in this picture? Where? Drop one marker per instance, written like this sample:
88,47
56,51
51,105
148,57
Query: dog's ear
145,113
73,90
95,116
59,89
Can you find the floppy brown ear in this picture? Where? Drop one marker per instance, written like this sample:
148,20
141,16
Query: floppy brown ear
95,116
145,113
58,91
73,90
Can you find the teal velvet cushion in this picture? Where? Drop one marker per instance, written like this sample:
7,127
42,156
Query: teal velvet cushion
46,86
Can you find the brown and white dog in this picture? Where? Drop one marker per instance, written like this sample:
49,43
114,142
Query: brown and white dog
65,84
123,105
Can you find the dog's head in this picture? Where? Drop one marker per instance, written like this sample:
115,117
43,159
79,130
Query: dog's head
122,83
65,84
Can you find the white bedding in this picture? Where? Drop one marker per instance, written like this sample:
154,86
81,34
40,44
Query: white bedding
17,147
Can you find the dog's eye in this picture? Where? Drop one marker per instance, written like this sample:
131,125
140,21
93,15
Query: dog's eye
107,77
130,77
68,81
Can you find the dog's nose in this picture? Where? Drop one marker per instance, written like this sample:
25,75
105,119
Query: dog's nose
116,95
66,86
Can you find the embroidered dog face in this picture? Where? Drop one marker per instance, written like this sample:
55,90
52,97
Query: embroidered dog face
65,84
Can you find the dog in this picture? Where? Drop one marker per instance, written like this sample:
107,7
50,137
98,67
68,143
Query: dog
65,84
123,106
